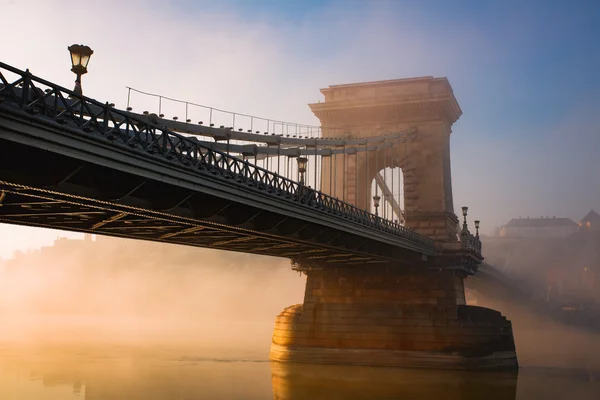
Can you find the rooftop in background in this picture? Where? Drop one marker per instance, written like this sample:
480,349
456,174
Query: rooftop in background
540,222
591,222
543,227
592,217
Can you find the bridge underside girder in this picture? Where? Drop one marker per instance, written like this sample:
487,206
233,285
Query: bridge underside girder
45,189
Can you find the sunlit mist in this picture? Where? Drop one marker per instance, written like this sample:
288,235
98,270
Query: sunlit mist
116,290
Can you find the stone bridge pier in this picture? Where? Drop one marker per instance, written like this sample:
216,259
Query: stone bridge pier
400,313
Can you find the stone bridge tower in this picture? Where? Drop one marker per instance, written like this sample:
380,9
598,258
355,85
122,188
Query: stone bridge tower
376,109
411,311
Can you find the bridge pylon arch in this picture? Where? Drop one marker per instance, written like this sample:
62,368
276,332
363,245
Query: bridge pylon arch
376,109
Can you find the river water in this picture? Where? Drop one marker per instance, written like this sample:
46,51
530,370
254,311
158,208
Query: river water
111,372
191,334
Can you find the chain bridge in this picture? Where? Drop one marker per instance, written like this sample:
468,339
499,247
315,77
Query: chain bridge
361,204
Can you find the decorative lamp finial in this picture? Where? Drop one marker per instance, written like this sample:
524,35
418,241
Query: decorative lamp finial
465,228
376,199
80,57
302,168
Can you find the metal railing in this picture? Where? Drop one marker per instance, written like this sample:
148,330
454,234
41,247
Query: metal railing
47,100
470,242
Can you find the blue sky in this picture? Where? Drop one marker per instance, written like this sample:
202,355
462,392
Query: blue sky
526,74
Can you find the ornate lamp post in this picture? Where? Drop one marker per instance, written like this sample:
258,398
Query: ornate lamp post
376,199
465,229
80,57
477,228
302,168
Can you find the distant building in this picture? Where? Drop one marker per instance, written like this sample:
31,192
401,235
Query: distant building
539,227
591,222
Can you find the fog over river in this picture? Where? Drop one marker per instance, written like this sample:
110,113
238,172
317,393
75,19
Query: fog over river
121,319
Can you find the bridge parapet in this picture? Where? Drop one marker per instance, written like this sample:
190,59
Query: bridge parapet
465,253
470,242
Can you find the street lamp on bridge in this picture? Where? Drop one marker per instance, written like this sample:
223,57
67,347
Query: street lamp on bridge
80,57
376,199
302,168
477,228
465,228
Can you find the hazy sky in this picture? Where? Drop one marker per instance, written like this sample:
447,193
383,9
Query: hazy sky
526,74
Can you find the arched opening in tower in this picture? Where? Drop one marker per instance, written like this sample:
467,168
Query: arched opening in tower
387,187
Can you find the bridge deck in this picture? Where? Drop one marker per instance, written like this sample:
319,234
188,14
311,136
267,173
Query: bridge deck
126,177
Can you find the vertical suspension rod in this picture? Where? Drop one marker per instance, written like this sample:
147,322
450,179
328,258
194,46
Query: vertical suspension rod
316,164
356,176
344,188
393,169
278,154
330,173
385,197
368,202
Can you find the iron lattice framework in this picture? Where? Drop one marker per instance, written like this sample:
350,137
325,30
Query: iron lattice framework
139,135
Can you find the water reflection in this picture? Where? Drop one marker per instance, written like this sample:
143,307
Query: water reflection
304,382
194,374
92,375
